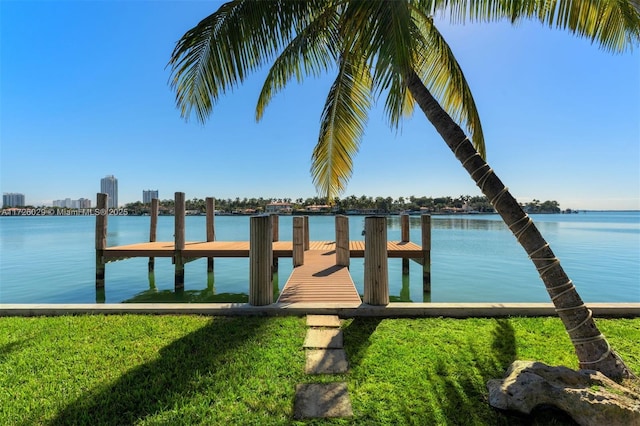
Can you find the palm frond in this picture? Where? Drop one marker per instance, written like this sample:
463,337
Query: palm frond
342,125
218,53
312,51
387,38
442,75
612,24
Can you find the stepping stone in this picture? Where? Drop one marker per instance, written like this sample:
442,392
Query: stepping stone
323,338
323,321
321,400
326,361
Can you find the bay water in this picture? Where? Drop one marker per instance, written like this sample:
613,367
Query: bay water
474,258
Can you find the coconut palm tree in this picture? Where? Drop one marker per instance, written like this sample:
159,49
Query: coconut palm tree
393,50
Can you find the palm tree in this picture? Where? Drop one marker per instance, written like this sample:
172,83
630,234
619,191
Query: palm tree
392,49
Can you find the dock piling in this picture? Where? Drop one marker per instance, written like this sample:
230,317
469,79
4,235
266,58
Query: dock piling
426,253
101,237
179,212
306,232
376,276
153,226
405,238
211,230
298,241
260,260
275,228
342,241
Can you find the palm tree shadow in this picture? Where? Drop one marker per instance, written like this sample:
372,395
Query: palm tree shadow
356,337
504,343
461,392
158,384
10,347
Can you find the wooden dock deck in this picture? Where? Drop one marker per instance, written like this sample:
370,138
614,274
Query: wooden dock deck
395,249
319,280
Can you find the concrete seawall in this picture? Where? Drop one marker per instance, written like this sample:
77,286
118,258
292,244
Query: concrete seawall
345,310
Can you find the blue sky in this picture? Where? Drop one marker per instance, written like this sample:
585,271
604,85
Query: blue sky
84,94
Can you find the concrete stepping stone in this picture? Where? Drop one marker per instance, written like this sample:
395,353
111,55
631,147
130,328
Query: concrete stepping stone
326,361
323,321
323,338
321,400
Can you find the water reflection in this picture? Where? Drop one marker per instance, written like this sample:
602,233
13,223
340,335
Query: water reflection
405,293
100,295
152,280
207,295
210,281
186,296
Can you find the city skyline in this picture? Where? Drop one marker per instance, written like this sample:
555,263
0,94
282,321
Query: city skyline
560,116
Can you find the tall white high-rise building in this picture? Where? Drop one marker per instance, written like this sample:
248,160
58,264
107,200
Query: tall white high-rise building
148,195
109,186
13,199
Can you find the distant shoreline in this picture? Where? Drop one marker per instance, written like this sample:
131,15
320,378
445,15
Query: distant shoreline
72,213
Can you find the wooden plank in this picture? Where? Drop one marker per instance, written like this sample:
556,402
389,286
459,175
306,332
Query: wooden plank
319,280
153,249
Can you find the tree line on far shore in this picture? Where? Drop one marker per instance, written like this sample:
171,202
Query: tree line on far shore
380,205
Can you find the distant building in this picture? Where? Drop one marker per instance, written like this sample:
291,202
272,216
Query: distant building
279,208
148,195
318,208
109,186
13,199
68,203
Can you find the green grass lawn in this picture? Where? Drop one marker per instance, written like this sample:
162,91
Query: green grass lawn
173,370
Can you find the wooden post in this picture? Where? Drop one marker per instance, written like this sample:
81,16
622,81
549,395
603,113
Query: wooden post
405,238
306,233
376,277
260,256
342,241
298,241
275,228
179,213
211,230
426,253
153,227
101,237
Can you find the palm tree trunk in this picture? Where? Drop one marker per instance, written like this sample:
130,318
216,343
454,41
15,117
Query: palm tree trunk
591,347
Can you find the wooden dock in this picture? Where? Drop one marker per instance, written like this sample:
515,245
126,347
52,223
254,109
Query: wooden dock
321,268
319,280
198,249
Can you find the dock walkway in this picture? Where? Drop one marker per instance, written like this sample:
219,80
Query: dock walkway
319,280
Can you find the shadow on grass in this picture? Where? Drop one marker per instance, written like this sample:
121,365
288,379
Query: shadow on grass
503,344
357,333
161,384
429,375
462,391
14,346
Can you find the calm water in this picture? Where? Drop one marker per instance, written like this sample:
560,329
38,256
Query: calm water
474,259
